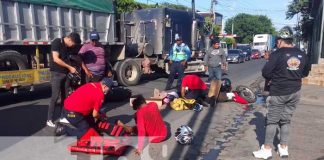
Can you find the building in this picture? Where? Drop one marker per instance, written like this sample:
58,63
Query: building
316,44
218,18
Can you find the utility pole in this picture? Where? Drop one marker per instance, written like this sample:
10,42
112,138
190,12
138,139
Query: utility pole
232,26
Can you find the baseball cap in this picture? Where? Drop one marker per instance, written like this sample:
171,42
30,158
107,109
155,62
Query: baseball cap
177,37
108,82
94,35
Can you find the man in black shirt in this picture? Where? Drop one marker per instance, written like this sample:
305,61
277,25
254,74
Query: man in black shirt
59,67
285,69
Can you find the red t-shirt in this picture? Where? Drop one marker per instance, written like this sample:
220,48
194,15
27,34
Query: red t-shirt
85,99
193,82
149,123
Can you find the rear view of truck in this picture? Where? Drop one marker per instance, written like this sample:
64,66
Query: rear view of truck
28,27
263,42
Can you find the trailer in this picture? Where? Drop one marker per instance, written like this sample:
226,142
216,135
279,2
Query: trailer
28,27
263,42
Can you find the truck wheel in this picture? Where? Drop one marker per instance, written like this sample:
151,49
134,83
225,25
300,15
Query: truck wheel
128,73
246,93
12,60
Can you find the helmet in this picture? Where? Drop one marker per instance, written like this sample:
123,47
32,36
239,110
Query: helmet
226,85
184,135
285,33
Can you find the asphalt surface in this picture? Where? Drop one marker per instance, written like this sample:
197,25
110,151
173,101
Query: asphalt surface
23,117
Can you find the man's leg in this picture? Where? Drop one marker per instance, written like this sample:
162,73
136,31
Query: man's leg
286,116
275,108
180,69
218,73
171,76
211,74
56,81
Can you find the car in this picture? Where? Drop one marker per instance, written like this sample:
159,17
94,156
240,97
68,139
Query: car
256,54
246,50
235,56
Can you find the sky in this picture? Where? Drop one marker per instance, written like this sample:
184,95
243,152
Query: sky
274,9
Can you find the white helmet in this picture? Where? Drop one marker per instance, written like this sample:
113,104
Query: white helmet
184,135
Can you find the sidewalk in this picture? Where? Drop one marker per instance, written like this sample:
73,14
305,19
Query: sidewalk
306,131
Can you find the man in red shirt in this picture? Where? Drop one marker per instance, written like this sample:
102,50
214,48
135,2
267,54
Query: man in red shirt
81,108
149,123
193,87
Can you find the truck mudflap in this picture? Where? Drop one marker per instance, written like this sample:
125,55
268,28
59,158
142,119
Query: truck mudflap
10,79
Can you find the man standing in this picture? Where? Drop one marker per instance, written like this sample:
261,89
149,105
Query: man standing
285,69
214,60
93,59
59,67
178,57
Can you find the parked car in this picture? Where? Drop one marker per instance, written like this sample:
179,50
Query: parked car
246,50
235,56
256,54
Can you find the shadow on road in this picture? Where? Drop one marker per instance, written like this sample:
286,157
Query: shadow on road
259,122
41,91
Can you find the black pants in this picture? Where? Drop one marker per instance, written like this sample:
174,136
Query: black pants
59,85
80,123
196,94
176,67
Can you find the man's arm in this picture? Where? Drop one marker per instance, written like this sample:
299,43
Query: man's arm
183,92
95,114
60,62
269,67
188,53
206,59
141,131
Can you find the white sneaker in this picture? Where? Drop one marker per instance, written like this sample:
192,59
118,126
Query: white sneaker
50,123
63,120
283,152
263,153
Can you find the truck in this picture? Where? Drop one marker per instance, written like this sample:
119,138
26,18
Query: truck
263,42
28,27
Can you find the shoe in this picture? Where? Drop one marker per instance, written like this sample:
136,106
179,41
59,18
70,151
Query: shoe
263,153
50,123
283,152
63,120
59,130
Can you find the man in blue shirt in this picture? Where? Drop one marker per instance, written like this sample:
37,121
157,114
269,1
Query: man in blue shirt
178,57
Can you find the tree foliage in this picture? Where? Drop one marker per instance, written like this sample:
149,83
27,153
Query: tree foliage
303,29
131,5
246,25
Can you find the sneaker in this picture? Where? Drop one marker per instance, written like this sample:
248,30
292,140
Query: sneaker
63,120
59,130
50,123
283,152
263,153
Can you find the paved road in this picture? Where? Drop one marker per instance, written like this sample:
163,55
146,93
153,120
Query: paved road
25,115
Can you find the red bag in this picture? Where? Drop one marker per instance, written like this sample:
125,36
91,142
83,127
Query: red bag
92,143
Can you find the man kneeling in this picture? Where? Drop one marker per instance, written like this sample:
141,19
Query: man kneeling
149,123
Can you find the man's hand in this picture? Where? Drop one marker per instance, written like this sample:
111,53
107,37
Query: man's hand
170,62
137,152
206,68
88,73
72,69
109,74
266,55
183,62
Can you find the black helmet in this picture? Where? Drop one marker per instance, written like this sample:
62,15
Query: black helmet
285,33
226,85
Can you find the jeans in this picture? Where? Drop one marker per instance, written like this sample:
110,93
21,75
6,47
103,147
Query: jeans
214,73
280,111
176,67
59,86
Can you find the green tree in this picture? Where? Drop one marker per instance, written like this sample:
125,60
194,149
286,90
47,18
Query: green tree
127,5
246,25
301,7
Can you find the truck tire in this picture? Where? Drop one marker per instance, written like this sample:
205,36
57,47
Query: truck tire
12,60
128,72
247,93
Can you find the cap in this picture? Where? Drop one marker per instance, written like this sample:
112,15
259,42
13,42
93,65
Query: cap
94,35
108,82
177,37
75,37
